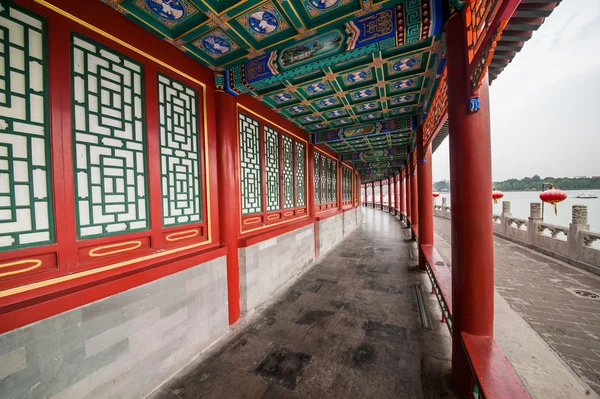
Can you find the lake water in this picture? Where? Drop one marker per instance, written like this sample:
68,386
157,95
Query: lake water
520,200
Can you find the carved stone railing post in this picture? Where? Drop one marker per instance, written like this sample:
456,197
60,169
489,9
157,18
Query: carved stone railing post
445,209
579,221
504,216
535,217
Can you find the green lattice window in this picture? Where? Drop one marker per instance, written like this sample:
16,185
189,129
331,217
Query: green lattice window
333,181
272,169
324,179
250,167
317,178
179,152
329,180
25,177
288,171
350,184
346,184
109,141
300,175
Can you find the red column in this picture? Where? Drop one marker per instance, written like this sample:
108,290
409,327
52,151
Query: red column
390,196
425,195
414,194
229,196
381,194
373,194
395,194
396,199
471,190
408,196
402,194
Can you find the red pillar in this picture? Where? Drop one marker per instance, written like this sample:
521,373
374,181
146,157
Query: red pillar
414,194
390,196
408,196
425,195
471,190
229,197
396,199
373,194
402,195
381,194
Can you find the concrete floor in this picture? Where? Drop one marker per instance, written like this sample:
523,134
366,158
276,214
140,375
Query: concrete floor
539,290
349,327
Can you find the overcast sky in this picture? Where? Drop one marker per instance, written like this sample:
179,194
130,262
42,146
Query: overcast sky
545,105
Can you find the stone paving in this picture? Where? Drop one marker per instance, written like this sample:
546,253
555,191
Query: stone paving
349,327
542,291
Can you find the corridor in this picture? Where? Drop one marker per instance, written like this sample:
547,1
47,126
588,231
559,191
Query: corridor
349,327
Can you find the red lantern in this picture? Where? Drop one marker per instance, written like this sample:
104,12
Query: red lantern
553,196
496,195
436,194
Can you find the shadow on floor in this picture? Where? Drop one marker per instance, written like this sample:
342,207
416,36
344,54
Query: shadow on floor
349,327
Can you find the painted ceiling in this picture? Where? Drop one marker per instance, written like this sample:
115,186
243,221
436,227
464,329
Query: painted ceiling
356,74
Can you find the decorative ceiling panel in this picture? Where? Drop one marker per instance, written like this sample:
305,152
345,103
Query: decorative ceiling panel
357,74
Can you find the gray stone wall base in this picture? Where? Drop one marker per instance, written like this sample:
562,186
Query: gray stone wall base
267,266
332,230
122,346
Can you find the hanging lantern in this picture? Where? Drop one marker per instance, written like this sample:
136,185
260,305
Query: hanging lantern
496,195
553,196
436,194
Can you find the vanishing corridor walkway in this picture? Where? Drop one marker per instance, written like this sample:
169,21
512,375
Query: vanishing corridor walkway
540,289
348,328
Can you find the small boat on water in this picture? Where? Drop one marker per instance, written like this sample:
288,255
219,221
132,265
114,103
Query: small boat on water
586,195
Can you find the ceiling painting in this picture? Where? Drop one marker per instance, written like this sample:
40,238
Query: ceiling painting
358,75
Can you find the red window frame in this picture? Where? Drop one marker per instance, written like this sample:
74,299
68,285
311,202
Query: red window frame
70,262
261,220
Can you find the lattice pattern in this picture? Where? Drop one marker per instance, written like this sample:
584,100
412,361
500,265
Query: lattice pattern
346,184
272,169
300,175
250,168
317,178
324,179
179,152
334,181
439,106
109,140
25,191
288,172
329,180
478,18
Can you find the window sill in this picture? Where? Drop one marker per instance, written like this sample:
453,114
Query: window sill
263,235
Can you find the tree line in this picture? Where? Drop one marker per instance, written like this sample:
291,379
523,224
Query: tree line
535,183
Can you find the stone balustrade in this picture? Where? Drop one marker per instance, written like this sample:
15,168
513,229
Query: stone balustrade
574,244
515,222
553,229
